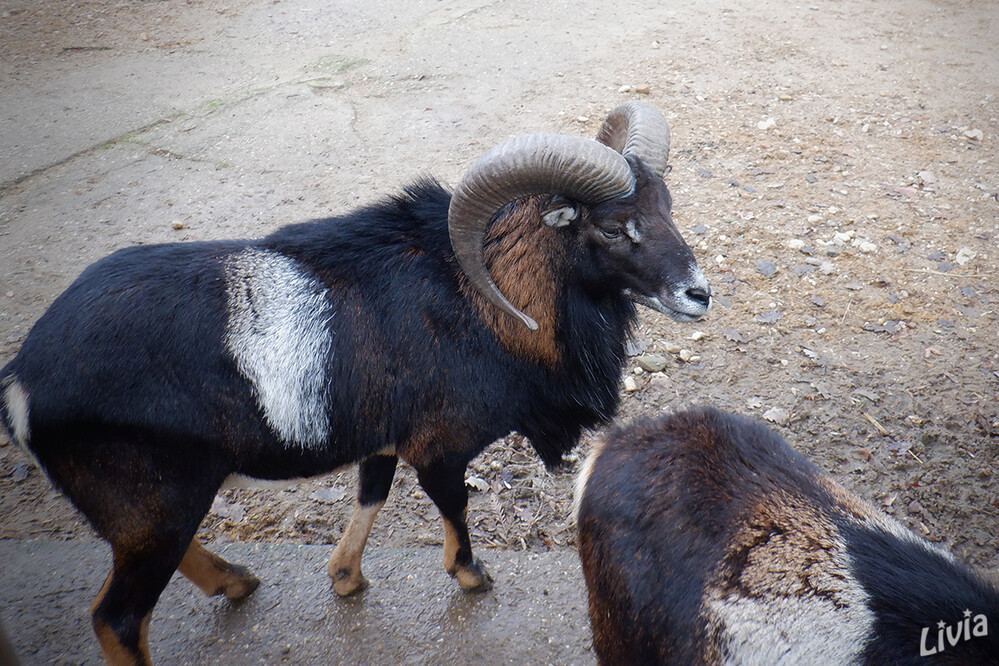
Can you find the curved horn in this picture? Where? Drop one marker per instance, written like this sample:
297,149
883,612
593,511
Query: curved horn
638,129
580,169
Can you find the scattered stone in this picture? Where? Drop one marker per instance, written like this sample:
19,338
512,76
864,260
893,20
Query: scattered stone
672,348
974,134
766,123
733,334
964,255
477,482
937,256
811,178
652,362
700,229
686,355
796,243
818,301
843,237
766,268
867,247
630,384
705,173
777,415
697,335
967,292
945,266
643,89
785,97
177,225
813,218
625,89
802,269
927,177
827,268
770,317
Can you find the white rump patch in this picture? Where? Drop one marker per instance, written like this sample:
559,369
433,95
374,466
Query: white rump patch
279,334
793,630
15,399
583,478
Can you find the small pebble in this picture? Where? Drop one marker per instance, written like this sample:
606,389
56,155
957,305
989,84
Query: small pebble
686,354
177,225
796,243
630,384
652,362
672,348
964,255
697,335
975,134
643,89
766,268
777,415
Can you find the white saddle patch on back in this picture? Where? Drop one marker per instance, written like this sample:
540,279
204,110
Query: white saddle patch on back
278,332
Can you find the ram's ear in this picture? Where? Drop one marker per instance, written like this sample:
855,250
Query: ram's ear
560,212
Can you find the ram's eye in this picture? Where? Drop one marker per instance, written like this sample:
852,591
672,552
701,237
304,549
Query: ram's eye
613,232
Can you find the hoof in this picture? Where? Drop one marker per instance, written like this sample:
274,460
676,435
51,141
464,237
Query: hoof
347,582
474,577
240,585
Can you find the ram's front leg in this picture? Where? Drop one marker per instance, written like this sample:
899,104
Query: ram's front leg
445,485
374,481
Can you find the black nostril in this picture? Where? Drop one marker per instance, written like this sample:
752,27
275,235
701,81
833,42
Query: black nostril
701,295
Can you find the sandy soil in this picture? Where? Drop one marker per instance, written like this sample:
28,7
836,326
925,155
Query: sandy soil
834,164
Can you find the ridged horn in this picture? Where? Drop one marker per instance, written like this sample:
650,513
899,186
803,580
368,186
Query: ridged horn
577,168
638,129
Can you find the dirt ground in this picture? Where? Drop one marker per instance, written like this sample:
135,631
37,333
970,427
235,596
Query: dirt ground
835,167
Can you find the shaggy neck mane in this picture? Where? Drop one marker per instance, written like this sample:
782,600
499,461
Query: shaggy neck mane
528,268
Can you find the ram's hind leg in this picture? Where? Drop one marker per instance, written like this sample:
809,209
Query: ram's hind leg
213,575
375,475
446,487
123,608
143,493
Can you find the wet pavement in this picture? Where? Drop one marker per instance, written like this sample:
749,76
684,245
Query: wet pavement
412,613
